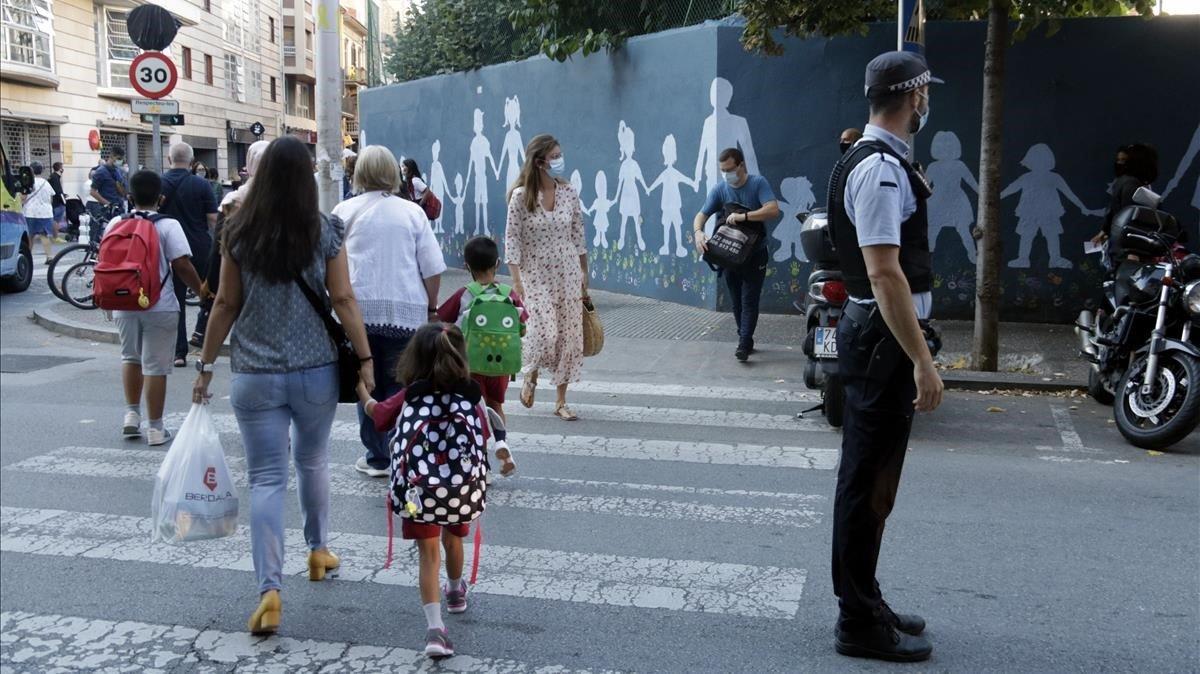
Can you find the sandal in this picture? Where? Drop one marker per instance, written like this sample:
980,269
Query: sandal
527,391
563,412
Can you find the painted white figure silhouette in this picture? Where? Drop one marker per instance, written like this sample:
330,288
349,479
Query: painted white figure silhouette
577,185
627,191
1184,164
481,155
458,199
1040,208
721,130
600,208
513,149
672,201
437,183
797,197
949,207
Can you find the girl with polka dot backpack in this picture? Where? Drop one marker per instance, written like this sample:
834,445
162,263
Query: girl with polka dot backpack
439,435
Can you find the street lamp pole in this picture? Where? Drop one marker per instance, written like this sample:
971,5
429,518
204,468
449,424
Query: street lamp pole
329,109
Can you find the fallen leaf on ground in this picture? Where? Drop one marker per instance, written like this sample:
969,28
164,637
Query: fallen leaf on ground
995,409
1152,452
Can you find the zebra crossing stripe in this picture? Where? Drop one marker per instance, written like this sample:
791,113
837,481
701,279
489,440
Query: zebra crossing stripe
35,642
605,498
625,388
528,573
731,420
732,454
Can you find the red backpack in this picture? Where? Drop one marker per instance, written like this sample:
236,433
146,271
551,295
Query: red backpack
126,272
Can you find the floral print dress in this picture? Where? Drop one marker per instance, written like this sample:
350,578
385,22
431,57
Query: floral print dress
546,245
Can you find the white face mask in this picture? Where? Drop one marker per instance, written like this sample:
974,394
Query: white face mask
556,167
731,177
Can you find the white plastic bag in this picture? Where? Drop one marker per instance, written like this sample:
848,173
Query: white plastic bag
194,495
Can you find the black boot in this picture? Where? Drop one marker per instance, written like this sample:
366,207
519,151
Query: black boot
882,641
905,622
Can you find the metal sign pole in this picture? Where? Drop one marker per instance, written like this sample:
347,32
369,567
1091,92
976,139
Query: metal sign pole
158,159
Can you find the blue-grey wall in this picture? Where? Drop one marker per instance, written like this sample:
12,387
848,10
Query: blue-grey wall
1093,85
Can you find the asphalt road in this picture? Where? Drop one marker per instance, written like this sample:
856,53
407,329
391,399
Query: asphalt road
682,525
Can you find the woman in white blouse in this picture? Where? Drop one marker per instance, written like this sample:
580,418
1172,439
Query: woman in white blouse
395,269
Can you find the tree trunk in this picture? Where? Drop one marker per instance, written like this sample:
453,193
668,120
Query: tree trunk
987,273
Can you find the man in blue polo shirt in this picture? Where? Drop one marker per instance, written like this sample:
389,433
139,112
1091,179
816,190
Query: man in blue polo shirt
745,284
108,188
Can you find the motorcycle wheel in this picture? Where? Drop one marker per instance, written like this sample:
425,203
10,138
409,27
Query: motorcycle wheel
1096,388
1172,409
835,401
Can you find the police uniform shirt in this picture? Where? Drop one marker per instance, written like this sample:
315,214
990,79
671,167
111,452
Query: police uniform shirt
879,198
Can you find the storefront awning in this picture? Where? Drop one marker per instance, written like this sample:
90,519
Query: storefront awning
24,116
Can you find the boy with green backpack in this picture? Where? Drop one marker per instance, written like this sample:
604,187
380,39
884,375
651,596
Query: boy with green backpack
492,318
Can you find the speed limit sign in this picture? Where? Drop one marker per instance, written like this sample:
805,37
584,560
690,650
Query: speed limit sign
153,74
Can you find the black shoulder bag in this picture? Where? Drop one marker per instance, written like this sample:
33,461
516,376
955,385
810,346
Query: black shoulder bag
733,246
347,359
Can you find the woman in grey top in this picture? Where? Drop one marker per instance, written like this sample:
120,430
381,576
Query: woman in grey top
284,363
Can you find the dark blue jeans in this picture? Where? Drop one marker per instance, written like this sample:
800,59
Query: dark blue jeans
200,252
386,352
745,291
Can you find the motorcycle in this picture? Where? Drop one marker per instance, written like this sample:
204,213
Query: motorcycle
1145,351
821,305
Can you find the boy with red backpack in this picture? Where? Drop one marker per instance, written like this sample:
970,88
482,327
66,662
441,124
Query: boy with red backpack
138,254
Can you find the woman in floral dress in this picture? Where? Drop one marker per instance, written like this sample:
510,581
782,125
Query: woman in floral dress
546,253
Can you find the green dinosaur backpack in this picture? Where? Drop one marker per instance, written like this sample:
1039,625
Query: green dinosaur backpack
492,328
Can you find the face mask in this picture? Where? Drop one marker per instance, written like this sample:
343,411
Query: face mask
843,146
919,118
556,167
731,177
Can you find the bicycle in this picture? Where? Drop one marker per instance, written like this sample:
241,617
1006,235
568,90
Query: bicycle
68,258
79,285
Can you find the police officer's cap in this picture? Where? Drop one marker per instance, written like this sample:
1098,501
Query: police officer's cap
897,72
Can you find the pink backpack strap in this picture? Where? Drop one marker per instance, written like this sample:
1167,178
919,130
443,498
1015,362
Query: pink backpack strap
478,547
387,563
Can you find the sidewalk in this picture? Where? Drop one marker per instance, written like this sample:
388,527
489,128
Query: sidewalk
644,333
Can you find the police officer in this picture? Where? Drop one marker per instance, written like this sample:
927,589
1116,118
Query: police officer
877,212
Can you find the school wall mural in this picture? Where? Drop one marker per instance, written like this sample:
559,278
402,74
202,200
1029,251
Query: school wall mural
641,130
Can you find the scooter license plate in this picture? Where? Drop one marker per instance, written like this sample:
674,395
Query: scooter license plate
825,345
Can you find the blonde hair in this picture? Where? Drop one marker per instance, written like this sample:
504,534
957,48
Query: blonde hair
535,152
376,170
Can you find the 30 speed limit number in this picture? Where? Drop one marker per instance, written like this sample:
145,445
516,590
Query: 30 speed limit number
153,74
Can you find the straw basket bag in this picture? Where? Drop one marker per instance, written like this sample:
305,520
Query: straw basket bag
593,331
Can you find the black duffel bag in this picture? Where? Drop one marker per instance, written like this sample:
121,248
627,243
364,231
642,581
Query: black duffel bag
733,246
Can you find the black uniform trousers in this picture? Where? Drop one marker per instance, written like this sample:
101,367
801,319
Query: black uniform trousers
201,250
878,380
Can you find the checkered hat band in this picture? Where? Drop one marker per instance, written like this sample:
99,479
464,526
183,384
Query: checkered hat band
916,82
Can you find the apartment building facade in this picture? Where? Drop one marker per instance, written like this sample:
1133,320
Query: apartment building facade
64,75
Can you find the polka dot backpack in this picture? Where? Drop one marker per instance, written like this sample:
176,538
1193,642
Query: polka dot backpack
439,456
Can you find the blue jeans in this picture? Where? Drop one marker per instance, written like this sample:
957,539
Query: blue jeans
275,413
386,352
745,290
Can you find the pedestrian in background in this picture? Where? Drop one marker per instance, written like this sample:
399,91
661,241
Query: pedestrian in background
214,181
148,336
547,256
59,202
412,187
38,210
753,193
878,217
848,138
108,188
396,267
189,199
284,390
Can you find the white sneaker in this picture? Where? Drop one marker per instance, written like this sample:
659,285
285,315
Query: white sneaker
365,468
132,428
155,437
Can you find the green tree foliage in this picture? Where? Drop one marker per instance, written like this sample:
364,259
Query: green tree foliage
831,17
445,36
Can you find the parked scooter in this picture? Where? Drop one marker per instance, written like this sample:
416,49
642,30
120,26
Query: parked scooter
821,306
1145,349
